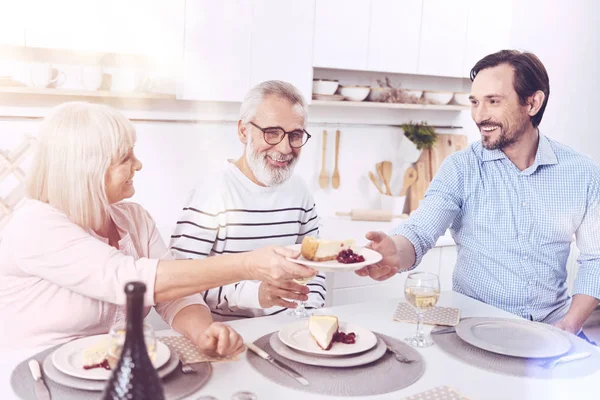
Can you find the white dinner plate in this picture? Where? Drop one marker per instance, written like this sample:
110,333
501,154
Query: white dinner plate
68,359
371,257
353,360
297,336
96,385
514,337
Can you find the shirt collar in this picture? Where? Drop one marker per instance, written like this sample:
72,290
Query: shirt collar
544,155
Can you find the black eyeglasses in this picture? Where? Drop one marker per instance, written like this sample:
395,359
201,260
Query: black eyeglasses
275,135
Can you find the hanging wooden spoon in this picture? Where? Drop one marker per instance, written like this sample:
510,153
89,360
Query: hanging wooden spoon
410,177
386,169
379,167
324,176
335,179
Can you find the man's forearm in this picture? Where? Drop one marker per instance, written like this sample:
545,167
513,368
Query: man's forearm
581,308
192,320
406,251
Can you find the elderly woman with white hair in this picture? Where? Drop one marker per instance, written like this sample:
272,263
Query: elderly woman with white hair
69,249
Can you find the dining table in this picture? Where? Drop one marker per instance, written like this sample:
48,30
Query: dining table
441,369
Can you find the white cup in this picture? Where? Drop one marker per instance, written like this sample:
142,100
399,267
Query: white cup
394,204
125,81
91,77
40,75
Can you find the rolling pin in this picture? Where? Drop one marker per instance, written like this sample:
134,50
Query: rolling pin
370,215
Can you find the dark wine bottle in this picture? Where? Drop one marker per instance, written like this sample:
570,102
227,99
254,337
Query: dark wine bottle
134,377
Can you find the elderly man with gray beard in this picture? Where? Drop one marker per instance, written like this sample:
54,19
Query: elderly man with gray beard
253,202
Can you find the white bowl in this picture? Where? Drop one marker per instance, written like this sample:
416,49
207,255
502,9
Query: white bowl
376,93
438,97
462,99
355,93
324,86
416,93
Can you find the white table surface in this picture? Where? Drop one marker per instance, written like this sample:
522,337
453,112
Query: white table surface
440,369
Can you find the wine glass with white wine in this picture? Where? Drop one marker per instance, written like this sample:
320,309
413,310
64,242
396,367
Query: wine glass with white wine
301,311
422,291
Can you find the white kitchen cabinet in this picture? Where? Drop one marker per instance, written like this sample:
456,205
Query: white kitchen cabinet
143,27
217,54
282,43
488,30
341,35
395,29
12,23
443,37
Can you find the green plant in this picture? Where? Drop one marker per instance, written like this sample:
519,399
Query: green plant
421,134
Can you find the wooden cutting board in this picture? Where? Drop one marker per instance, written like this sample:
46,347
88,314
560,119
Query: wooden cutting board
429,163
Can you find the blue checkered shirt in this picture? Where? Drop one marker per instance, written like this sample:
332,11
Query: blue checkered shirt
513,229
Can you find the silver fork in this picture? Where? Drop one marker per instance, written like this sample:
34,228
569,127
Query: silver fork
187,368
564,359
400,357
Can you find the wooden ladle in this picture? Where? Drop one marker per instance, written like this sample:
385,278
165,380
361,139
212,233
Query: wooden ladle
381,173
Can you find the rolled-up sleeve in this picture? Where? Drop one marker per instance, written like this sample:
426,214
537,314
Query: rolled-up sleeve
442,203
168,309
588,241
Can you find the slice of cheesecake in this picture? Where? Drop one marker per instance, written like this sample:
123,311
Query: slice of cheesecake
314,249
95,356
322,328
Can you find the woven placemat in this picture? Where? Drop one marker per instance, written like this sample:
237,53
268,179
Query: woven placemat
434,316
188,352
451,344
382,376
176,385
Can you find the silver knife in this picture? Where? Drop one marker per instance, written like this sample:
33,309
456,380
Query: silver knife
288,370
41,391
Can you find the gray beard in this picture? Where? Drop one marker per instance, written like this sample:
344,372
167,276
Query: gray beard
263,172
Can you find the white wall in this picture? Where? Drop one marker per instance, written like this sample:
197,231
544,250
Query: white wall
565,35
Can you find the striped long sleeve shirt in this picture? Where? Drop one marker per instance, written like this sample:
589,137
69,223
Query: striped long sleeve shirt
228,213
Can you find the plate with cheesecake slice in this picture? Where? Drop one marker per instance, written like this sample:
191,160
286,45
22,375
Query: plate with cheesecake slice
324,335
333,255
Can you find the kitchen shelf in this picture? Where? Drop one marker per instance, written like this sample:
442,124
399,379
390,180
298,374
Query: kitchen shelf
83,93
370,104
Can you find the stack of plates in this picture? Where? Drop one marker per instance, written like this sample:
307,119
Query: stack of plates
294,342
65,365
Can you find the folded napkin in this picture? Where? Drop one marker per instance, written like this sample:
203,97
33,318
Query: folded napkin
188,353
438,393
434,316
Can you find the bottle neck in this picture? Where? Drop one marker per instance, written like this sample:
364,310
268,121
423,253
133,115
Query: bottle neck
135,314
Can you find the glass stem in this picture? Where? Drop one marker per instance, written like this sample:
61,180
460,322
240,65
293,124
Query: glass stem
419,324
300,307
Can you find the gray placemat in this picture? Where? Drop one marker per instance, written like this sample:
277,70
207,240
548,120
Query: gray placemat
176,385
451,344
382,376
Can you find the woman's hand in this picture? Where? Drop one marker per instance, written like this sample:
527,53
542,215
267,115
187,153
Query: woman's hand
269,265
219,340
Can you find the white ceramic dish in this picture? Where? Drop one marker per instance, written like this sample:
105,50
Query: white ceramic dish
68,358
366,357
324,86
354,93
297,336
461,99
97,385
330,97
371,257
438,97
514,337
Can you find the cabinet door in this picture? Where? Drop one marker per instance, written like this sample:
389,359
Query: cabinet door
488,30
443,37
69,24
394,36
12,23
282,43
216,65
341,34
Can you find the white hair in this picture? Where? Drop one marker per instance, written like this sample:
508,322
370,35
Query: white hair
77,143
281,89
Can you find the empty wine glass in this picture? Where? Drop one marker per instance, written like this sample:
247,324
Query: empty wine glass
301,311
422,291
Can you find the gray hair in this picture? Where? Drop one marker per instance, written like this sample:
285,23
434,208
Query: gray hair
281,89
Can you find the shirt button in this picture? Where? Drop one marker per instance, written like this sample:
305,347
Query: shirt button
526,257
523,204
530,283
